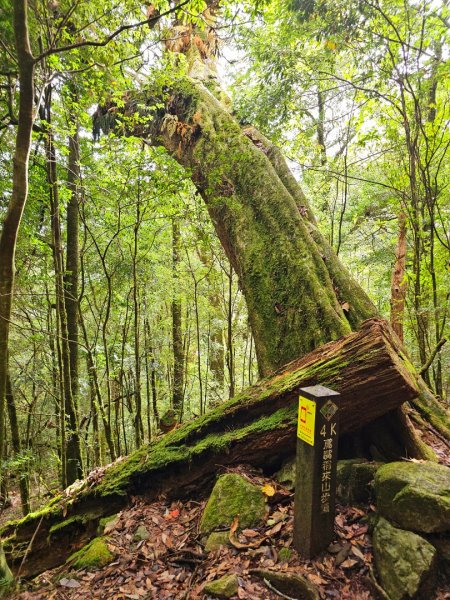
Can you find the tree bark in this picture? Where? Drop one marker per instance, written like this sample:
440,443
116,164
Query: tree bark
71,277
17,447
177,334
257,427
398,284
11,222
74,469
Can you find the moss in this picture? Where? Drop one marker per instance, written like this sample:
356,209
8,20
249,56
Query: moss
52,509
216,540
225,587
6,576
104,522
233,496
285,554
406,563
94,554
119,478
74,520
354,480
414,496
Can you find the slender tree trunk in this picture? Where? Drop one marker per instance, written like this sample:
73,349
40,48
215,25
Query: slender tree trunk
230,346
95,390
71,277
11,222
177,333
138,425
17,447
398,283
74,468
150,353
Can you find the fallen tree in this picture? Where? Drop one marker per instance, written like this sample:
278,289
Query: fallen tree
258,427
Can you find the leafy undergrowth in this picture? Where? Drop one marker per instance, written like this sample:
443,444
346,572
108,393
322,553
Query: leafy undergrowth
172,562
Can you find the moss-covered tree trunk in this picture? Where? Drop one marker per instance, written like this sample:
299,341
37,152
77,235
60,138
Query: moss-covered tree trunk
289,283
298,293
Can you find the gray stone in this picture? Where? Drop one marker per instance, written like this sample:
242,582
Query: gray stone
355,480
292,585
442,546
405,562
414,496
225,587
286,475
216,540
141,534
233,496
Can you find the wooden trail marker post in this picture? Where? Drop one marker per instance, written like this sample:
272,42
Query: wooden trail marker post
315,481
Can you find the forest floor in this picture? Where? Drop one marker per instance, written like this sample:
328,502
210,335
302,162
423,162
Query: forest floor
172,562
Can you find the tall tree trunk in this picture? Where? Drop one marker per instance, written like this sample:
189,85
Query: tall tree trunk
11,222
95,390
230,346
398,283
177,333
138,425
71,277
24,486
74,469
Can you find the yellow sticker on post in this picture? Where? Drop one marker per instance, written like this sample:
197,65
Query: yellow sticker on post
306,420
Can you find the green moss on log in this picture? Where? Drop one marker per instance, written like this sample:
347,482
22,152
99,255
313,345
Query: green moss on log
118,478
94,554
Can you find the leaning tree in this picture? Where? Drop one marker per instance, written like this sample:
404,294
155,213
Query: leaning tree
299,295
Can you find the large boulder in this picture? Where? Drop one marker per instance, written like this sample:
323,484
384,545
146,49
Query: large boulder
233,496
405,562
414,496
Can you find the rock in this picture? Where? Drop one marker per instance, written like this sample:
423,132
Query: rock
354,480
292,585
107,524
286,475
225,587
216,540
414,496
406,563
233,496
94,554
442,546
141,534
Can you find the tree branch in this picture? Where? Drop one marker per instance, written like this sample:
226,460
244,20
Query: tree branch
109,38
429,362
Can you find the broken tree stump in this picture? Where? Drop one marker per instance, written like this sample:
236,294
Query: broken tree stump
257,427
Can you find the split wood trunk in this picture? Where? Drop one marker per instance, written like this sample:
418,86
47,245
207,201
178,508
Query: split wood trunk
258,427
